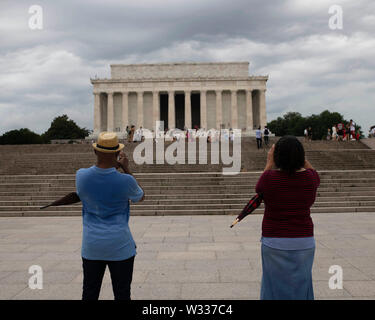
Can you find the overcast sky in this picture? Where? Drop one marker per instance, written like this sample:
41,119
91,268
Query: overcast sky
46,73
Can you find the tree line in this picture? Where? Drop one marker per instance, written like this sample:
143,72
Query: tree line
293,123
61,128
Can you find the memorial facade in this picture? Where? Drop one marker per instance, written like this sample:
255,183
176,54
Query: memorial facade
183,95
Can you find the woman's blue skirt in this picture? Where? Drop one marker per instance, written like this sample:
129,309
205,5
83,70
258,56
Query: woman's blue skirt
287,274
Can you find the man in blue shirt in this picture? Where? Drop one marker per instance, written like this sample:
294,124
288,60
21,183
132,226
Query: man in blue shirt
258,136
106,237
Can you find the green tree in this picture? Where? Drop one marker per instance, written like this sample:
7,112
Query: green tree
64,128
292,123
21,136
320,123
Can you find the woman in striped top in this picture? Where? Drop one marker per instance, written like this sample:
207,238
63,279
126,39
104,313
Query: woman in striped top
288,243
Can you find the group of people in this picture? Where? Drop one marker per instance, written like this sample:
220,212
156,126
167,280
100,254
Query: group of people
340,132
137,135
134,135
287,186
308,134
259,134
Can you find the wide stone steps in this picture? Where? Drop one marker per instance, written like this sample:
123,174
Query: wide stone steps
66,159
156,181
187,187
33,176
193,197
249,190
154,200
340,174
170,205
196,193
314,210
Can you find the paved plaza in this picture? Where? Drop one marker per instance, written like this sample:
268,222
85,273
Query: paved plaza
183,257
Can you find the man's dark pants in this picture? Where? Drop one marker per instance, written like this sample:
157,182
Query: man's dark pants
259,143
266,140
121,276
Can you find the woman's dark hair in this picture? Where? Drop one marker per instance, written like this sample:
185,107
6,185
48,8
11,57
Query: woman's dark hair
289,154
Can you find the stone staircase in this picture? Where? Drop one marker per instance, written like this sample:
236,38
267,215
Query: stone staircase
370,142
32,176
67,159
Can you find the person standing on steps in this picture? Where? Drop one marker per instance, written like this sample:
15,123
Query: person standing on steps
106,238
127,132
131,133
352,130
258,136
266,133
340,131
288,184
347,132
334,133
306,134
310,134
329,136
372,132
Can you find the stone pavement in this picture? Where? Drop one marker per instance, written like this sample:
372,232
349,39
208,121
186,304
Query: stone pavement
183,257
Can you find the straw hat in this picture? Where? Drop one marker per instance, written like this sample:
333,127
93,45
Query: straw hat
108,143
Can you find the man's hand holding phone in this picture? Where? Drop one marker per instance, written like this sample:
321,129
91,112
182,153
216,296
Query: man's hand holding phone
123,162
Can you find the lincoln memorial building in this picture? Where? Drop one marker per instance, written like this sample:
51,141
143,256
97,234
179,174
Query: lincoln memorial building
183,95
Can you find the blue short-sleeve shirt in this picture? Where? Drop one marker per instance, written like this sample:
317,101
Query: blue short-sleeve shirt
105,195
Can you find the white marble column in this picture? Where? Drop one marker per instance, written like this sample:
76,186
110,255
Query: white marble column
234,122
125,110
262,105
171,111
219,108
110,112
187,109
203,101
155,108
97,115
139,109
249,110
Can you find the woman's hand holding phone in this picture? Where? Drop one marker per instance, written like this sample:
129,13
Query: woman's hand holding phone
270,160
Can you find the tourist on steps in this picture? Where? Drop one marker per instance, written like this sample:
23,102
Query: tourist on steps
310,134
131,133
329,136
288,184
347,132
340,131
306,134
266,133
106,237
334,133
352,130
258,136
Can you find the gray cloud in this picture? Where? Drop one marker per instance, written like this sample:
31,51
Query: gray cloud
46,73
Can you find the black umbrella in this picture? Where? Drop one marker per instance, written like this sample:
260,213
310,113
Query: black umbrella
68,199
254,203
